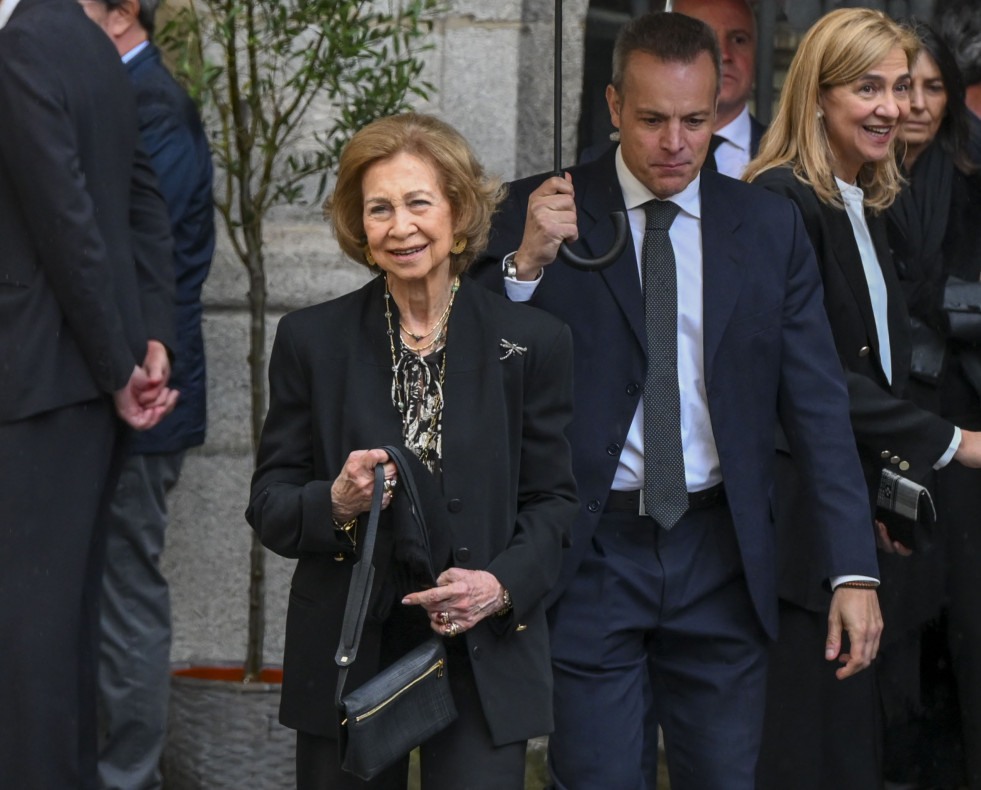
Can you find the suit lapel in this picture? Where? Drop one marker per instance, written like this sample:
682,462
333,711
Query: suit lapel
723,256
601,196
897,318
850,262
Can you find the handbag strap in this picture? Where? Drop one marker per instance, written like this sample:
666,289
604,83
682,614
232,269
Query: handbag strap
363,573
359,591
407,482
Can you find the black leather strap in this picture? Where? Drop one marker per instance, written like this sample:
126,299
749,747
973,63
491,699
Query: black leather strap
358,594
363,572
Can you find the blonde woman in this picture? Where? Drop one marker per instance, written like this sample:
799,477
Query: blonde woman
831,151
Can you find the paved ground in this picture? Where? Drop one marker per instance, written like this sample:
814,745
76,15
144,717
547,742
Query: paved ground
536,774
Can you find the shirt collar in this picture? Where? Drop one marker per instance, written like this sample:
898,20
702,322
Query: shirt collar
135,51
738,131
635,194
850,193
6,9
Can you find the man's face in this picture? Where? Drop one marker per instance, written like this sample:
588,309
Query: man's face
735,27
665,112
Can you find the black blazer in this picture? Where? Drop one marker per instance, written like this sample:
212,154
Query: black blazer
888,430
506,477
78,207
768,354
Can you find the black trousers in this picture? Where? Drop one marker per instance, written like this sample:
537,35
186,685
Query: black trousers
56,470
819,733
461,757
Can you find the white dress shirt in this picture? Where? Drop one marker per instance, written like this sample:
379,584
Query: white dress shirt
6,9
855,209
734,152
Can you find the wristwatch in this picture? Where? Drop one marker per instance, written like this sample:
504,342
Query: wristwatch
508,267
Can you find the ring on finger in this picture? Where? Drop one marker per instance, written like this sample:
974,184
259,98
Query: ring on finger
389,486
444,618
451,629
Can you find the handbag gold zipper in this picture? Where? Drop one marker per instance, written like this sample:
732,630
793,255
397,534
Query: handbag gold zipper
437,668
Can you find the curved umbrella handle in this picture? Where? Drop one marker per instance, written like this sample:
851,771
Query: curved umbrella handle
619,218
576,261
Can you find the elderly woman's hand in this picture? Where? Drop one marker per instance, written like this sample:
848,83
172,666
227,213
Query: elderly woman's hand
461,600
351,492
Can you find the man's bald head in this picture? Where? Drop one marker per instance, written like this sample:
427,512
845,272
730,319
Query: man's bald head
735,26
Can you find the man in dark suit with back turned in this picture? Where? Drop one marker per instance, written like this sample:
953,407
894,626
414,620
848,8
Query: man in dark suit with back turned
134,672
670,582
86,324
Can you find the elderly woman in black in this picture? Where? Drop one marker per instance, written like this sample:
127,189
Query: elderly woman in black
935,237
480,391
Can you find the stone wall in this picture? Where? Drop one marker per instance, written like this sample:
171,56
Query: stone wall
492,67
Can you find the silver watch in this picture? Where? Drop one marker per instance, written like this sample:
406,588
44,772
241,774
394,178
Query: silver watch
508,267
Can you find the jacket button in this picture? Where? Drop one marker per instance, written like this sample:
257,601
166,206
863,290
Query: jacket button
864,351
476,652
593,505
454,506
894,460
462,554
885,454
633,388
613,449
904,465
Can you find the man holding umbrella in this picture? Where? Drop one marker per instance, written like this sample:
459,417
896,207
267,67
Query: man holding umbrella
670,583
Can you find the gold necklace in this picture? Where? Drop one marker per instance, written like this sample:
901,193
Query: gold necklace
436,338
439,321
397,387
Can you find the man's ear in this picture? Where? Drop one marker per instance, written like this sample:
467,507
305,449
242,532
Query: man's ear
613,102
122,19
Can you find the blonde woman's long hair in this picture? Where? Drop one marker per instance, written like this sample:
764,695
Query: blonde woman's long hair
840,47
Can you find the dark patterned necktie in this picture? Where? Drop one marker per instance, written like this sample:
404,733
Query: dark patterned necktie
665,494
714,143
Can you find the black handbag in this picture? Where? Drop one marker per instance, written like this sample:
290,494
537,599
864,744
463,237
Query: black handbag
409,701
906,508
962,304
929,352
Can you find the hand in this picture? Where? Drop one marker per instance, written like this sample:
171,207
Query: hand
857,612
969,451
551,219
352,490
156,365
462,598
887,544
136,409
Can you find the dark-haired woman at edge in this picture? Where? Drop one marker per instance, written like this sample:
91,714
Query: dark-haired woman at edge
933,725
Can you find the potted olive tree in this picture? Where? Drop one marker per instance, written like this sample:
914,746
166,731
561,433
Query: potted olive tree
257,67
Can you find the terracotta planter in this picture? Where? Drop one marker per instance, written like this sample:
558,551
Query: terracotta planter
223,733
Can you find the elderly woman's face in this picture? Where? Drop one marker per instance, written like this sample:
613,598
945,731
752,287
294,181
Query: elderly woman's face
927,102
861,117
407,218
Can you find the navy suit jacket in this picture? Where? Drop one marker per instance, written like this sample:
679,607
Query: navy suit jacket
768,354
174,138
